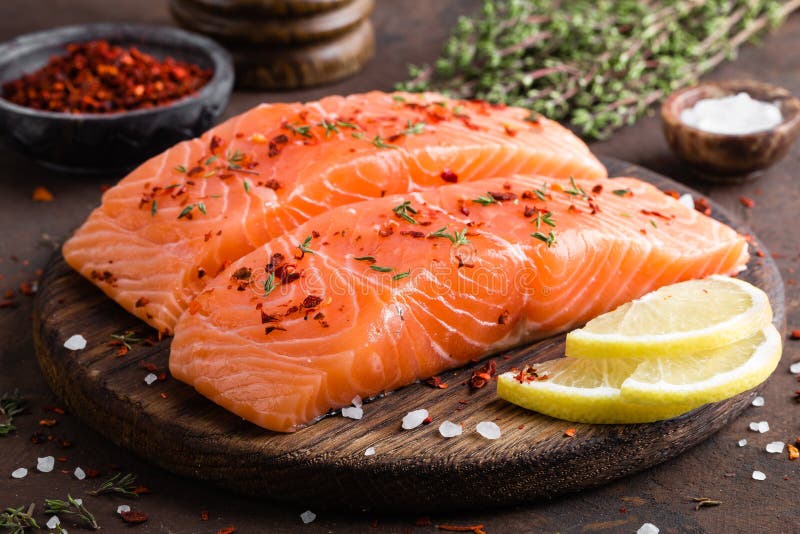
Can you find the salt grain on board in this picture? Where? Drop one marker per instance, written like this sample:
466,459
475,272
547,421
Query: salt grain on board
414,419
776,447
76,342
357,401
53,522
763,426
647,528
449,429
150,378
370,451
795,368
308,516
123,508
742,442
754,426
758,401
352,412
79,473
19,473
488,430
45,465
758,475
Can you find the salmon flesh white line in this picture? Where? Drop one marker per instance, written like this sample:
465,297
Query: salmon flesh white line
373,296
179,219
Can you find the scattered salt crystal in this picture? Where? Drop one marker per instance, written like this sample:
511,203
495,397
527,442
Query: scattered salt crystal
357,402
758,475
754,426
776,447
733,115
742,442
76,342
19,473
450,430
687,200
414,419
308,516
150,378
79,473
352,412
647,528
488,430
370,451
763,426
53,522
123,508
758,401
45,465
795,368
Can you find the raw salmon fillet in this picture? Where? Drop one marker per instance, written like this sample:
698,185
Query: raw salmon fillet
180,218
373,296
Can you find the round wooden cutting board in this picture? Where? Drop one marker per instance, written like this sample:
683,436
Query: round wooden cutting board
324,465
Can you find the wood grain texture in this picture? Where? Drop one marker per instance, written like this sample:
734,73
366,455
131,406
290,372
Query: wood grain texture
263,29
324,465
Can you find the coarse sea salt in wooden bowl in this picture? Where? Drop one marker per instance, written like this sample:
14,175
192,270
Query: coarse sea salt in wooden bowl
732,156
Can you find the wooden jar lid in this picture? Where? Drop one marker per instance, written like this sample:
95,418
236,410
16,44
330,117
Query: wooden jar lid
281,8
286,67
242,27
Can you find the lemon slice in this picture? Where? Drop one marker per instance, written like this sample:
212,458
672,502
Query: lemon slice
707,376
680,318
584,391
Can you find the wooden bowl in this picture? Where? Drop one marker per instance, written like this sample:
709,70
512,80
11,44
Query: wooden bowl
724,157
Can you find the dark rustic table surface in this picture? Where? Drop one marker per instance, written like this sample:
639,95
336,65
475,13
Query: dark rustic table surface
409,31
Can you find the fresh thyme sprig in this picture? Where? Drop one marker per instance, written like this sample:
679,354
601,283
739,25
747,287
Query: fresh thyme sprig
549,239
269,285
485,200
10,405
119,484
404,210
597,65
544,217
16,520
456,238
127,338
304,246
71,507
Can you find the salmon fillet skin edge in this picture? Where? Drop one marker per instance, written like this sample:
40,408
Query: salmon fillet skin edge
180,218
373,296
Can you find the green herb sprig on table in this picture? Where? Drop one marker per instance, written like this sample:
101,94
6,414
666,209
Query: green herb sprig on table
16,520
10,405
71,507
119,484
595,64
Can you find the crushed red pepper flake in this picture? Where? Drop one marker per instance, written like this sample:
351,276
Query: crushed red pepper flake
227,530
424,521
142,302
63,443
461,528
702,205
134,517
747,202
449,176
142,490
42,194
570,432
436,382
312,301
204,515
481,376
794,453
795,334
48,422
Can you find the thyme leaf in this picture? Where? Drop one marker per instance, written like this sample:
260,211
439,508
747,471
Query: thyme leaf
119,484
403,210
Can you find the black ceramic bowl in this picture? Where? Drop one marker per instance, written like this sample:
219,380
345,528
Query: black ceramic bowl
92,142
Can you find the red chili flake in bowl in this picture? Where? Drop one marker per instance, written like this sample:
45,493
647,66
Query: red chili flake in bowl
98,77
795,334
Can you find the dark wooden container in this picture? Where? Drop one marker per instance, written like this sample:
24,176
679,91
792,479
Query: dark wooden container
285,43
